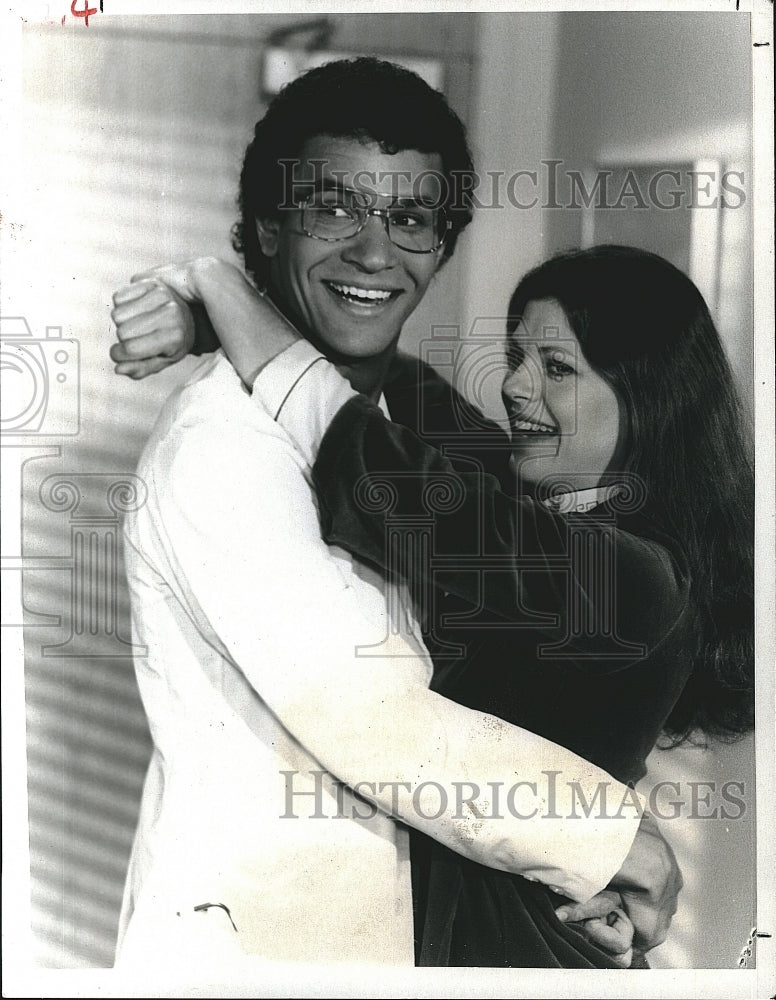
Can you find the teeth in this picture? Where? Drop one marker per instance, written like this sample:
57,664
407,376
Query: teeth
366,294
527,425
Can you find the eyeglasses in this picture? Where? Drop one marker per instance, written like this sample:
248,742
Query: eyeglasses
339,214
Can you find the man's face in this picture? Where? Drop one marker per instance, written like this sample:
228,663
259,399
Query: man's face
352,296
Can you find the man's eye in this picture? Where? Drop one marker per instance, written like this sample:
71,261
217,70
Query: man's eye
410,220
333,209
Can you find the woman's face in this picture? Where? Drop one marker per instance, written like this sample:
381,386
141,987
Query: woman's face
565,418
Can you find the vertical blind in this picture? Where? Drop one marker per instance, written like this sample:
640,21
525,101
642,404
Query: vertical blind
133,137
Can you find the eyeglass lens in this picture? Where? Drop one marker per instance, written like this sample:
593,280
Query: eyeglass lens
339,214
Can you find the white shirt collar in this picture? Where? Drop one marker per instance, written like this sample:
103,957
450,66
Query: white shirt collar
578,501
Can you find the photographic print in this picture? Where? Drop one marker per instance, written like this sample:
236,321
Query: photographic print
387,450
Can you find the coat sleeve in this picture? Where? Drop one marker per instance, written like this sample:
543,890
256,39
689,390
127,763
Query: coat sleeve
293,624
577,575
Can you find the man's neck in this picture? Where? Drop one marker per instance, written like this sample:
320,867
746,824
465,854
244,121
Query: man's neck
366,375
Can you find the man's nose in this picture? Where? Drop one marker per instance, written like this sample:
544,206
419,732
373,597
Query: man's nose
371,249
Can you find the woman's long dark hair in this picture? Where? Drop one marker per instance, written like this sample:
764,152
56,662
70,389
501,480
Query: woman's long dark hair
644,326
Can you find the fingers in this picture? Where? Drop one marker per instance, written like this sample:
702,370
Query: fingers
649,883
612,933
599,906
603,921
134,291
135,301
154,327
140,369
598,936
153,315
167,322
163,343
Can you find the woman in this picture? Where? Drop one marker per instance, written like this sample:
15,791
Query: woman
610,600
625,417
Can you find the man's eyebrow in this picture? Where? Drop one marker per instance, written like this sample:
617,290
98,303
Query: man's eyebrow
411,200
323,184
333,184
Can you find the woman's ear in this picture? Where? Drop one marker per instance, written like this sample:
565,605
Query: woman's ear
268,231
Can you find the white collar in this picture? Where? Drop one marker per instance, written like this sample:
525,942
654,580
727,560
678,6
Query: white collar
580,500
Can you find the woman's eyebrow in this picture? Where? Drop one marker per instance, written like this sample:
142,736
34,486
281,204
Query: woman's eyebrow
553,347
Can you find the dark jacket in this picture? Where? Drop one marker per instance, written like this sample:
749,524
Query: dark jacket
577,627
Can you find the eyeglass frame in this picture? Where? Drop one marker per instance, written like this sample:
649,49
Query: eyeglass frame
380,213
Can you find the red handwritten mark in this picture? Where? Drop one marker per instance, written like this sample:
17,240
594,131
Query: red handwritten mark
85,13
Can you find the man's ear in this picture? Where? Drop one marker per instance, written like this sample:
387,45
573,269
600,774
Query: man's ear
268,231
441,261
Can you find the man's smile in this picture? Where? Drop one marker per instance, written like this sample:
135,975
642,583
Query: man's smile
364,297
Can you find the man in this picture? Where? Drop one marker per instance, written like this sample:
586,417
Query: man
275,663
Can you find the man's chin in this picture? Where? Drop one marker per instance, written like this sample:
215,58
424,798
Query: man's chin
346,348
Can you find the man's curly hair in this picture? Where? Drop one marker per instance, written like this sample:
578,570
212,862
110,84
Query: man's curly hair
367,99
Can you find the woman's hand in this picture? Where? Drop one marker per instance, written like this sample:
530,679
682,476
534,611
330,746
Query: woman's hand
603,921
167,312
160,317
649,883
155,329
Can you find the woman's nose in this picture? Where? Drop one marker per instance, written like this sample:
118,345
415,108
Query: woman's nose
523,388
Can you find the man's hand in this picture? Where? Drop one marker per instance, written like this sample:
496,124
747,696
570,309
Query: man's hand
603,922
649,883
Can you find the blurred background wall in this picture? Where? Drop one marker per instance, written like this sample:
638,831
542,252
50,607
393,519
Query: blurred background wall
133,135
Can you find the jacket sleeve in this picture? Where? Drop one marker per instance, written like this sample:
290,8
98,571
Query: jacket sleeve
278,602
576,577
511,557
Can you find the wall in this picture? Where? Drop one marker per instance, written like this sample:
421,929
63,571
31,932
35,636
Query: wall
667,88
133,136
675,87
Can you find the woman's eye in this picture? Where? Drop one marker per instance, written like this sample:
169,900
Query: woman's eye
558,369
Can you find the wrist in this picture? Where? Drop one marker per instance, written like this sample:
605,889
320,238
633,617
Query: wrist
209,275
